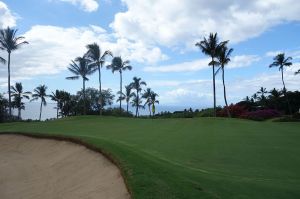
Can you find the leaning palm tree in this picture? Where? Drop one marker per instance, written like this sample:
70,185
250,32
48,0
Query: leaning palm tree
18,94
118,64
147,95
137,85
281,61
10,42
98,59
40,93
211,47
81,67
154,101
223,58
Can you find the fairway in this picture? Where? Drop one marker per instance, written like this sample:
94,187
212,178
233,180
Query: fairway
191,158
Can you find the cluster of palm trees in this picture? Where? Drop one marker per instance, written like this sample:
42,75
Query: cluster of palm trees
220,57
94,60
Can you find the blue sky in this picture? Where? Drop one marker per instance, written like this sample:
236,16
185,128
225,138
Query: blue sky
158,38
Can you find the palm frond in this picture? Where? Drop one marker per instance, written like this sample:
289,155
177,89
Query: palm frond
72,78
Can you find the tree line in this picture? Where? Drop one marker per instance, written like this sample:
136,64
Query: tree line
81,67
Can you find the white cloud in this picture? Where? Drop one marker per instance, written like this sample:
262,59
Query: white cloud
295,54
175,22
240,61
196,65
198,92
86,5
51,49
7,18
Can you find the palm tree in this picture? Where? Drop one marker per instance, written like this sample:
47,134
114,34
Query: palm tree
298,72
40,92
137,85
154,101
147,96
275,96
280,61
118,64
211,47
18,94
262,91
223,59
81,67
57,98
10,42
127,95
98,59
137,102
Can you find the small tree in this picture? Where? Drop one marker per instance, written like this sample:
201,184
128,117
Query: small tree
40,93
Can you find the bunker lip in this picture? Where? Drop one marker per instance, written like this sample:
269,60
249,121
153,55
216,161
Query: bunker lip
72,140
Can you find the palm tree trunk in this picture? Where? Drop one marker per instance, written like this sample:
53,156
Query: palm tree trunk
137,107
41,109
100,90
214,87
284,91
149,109
19,113
9,97
57,107
120,90
127,107
84,100
225,99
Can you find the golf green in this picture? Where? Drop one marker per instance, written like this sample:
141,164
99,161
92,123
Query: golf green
190,158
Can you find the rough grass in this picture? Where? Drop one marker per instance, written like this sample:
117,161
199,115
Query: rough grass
191,158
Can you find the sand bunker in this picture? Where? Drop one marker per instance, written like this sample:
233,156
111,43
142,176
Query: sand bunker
42,168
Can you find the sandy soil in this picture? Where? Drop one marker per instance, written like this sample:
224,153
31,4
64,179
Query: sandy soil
42,168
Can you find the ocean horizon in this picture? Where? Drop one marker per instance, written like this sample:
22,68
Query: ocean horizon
32,110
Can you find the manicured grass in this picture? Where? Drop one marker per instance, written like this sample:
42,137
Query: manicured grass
191,158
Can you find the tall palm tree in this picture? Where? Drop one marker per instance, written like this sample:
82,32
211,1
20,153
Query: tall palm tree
211,47
118,64
281,61
137,85
40,93
98,59
154,101
223,58
147,95
56,96
18,94
10,42
81,67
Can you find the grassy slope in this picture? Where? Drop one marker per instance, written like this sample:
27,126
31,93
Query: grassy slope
192,158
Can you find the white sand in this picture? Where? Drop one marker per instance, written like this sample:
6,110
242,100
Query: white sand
48,169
